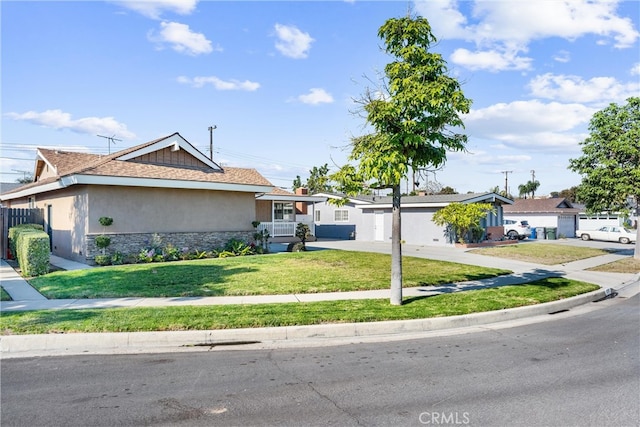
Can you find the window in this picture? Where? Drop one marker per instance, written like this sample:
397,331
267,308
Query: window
317,216
283,211
341,215
32,202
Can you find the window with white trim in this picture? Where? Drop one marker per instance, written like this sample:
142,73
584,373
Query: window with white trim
283,211
32,202
341,215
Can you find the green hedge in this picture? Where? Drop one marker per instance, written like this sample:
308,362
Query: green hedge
30,246
16,229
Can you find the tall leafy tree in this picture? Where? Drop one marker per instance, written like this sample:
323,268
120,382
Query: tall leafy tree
414,116
610,161
318,181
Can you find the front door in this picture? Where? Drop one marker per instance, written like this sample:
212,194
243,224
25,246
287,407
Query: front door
379,226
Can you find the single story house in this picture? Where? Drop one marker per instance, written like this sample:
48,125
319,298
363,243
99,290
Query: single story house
556,213
164,188
370,216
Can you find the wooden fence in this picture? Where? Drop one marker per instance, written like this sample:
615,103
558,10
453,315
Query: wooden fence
10,217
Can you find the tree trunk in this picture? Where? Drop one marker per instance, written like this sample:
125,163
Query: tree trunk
396,249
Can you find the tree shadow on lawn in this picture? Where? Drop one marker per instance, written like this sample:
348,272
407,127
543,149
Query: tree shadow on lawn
155,280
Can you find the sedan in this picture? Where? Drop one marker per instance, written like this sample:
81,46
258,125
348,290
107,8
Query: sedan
609,234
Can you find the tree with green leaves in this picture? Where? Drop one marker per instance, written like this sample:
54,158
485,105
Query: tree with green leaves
610,161
414,116
318,181
462,218
529,188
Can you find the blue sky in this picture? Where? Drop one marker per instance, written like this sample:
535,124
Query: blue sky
278,79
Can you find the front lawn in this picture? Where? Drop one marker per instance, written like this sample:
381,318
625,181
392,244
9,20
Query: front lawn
284,273
541,253
179,318
4,296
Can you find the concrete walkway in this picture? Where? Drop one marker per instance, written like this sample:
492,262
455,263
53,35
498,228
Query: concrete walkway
26,298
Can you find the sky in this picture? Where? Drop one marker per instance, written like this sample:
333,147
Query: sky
279,80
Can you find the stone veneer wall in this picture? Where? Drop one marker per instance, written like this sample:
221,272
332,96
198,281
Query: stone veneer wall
133,243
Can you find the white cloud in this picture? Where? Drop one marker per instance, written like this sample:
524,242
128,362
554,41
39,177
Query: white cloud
154,8
575,89
57,119
505,28
182,39
491,60
292,42
635,70
316,96
562,56
219,84
533,125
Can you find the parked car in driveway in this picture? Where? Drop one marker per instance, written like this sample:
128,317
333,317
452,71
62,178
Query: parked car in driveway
608,233
514,229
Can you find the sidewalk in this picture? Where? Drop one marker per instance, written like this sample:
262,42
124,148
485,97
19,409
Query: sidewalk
27,298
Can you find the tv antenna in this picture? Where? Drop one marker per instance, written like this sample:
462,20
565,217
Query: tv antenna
111,139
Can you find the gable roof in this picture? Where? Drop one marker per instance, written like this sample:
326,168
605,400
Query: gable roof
551,205
168,162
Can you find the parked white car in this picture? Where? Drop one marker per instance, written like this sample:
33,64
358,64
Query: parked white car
516,229
609,234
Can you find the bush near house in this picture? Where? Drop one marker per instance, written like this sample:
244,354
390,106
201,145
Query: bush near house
30,244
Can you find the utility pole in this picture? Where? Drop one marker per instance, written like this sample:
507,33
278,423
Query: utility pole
533,175
506,181
111,140
211,129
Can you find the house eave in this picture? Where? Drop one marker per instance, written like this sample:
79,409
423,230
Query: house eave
292,198
163,183
67,181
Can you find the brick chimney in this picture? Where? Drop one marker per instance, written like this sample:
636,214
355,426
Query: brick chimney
301,207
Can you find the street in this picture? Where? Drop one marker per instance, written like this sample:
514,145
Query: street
579,370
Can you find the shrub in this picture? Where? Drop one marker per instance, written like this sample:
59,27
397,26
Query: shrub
103,241
238,247
33,252
105,221
16,229
102,259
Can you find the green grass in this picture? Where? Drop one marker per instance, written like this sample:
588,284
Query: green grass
4,296
302,272
178,318
541,253
627,265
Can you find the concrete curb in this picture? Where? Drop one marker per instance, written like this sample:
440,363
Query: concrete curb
14,346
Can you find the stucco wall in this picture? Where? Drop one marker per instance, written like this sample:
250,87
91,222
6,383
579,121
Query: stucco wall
65,212
417,227
162,210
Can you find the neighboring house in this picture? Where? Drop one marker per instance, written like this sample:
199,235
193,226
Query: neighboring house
591,221
279,212
164,187
5,187
556,213
371,216
338,222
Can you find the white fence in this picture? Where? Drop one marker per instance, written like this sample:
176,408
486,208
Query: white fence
283,229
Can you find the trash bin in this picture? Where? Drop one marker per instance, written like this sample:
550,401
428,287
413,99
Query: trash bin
551,233
534,234
540,233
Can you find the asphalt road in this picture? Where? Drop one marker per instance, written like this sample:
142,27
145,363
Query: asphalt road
579,370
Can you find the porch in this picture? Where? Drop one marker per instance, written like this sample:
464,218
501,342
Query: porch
285,228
